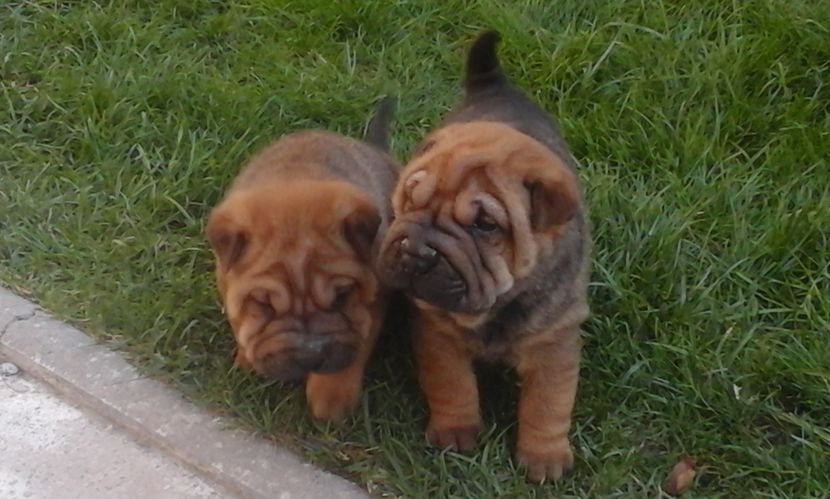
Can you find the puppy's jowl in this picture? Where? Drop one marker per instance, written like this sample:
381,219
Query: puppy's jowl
490,240
294,240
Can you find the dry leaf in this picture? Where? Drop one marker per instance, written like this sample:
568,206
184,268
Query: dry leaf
680,477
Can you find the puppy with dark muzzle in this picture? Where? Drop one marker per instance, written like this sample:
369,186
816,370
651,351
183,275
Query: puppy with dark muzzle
491,241
294,240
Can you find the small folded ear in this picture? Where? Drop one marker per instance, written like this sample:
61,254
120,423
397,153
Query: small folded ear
360,228
554,199
227,238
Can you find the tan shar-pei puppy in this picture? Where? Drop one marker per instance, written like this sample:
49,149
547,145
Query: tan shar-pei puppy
295,245
490,239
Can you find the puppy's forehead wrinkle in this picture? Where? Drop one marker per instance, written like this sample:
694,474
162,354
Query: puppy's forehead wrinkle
463,164
426,176
492,207
414,179
491,150
476,197
292,269
419,187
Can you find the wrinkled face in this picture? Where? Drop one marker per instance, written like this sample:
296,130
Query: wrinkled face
294,273
472,210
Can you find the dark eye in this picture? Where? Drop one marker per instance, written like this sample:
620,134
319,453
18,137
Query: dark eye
261,297
341,297
262,301
484,223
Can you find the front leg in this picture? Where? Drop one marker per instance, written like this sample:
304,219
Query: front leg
446,376
548,374
331,397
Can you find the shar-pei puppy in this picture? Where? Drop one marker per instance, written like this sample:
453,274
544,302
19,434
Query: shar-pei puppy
490,240
295,246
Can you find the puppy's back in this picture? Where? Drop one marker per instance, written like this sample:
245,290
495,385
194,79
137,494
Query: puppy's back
489,96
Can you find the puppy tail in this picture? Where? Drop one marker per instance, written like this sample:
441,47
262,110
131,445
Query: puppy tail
483,67
377,130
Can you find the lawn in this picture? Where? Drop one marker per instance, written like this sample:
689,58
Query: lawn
703,133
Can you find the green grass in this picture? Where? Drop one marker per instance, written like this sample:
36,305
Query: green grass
703,131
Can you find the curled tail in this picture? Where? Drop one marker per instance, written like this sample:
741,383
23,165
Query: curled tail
483,68
377,130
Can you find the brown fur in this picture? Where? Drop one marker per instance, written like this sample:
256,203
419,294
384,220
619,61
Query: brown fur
491,242
294,242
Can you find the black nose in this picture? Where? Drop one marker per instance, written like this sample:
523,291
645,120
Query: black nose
309,362
312,353
417,259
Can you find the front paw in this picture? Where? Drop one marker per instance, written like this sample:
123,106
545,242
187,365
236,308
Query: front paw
545,462
331,399
456,437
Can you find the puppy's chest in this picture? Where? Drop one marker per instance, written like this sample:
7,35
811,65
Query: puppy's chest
494,339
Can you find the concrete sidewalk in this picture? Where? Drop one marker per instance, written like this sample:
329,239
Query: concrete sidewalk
78,421
51,449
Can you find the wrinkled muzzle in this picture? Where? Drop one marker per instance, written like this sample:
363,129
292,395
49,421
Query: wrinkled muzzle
288,350
435,267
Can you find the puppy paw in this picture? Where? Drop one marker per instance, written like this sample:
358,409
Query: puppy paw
330,399
461,438
547,462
